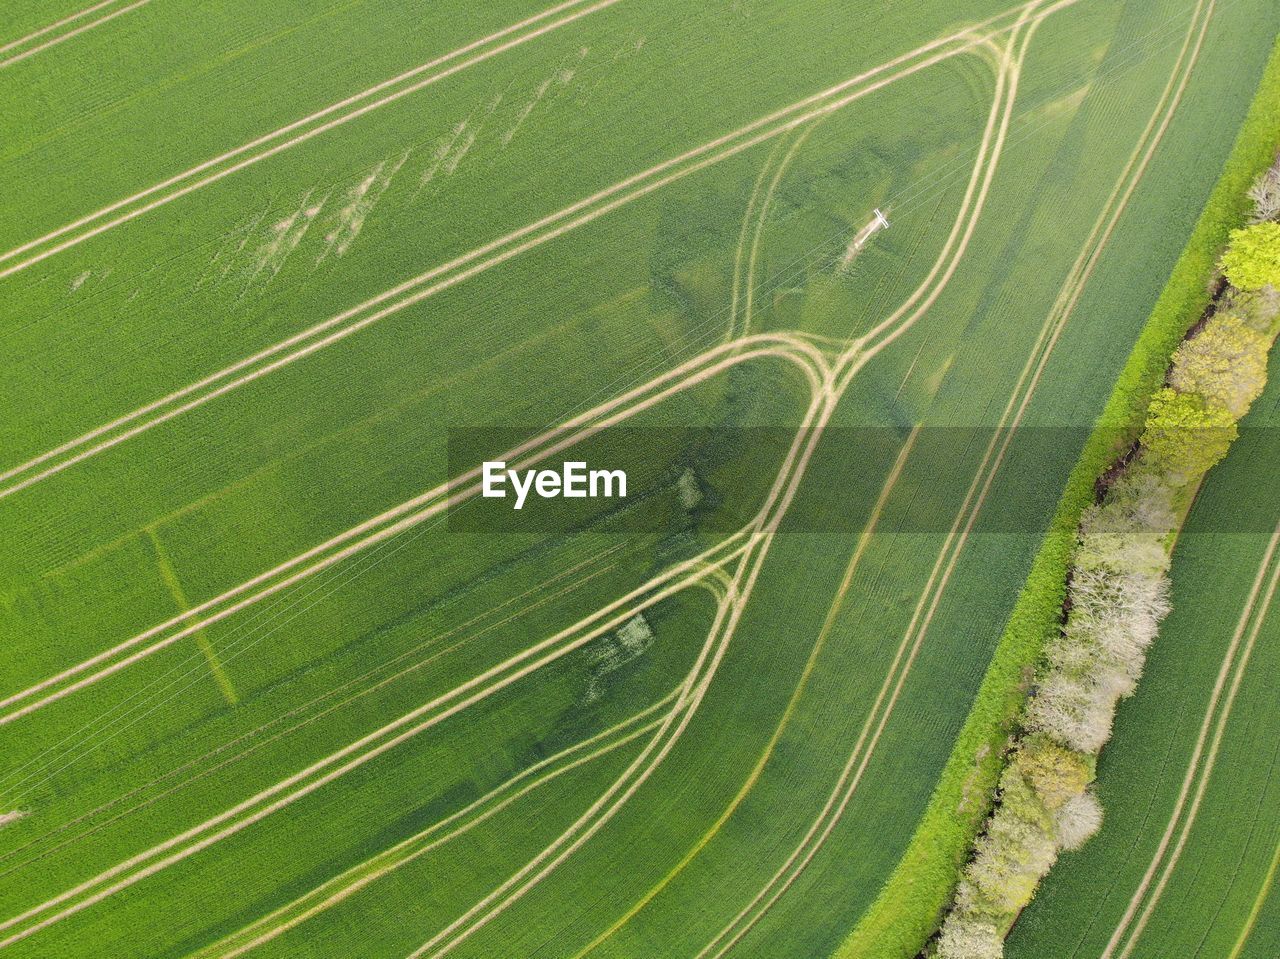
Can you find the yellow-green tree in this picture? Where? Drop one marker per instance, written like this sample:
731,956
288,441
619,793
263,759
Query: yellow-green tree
1185,435
1226,363
1252,260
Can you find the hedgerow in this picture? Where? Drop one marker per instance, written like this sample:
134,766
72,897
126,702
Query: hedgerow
1117,596
914,900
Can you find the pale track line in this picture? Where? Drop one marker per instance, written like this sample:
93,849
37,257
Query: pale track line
1199,770
1264,892
37,34
1064,306
19,57
747,215
931,301
358,753
346,884
388,524
544,598
443,277
749,289
324,563
782,493
301,138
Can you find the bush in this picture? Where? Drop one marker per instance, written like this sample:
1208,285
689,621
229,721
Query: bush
1077,821
964,937
1226,363
1127,533
1257,309
1099,655
1265,194
1075,712
1185,435
1055,774
1252,260
1012,858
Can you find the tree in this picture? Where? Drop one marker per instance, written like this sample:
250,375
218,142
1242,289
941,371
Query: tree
1076,712
1252,260
1226,362
1077,821
1055,774
1012,858
966,937
1257,309
1185,435
1265,194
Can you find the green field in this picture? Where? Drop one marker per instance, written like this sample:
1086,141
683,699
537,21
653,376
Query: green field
261,692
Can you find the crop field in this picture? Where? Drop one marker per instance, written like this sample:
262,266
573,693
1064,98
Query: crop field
277,680
1187,862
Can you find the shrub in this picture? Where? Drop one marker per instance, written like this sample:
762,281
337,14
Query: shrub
1074,711
1185,435
1117,615
1127,533
1012,858
1257,309
964,937
1077,821
1055,774
1265,194
1226,363
1098,657
1252,260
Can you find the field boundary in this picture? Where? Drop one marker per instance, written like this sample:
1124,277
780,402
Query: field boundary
911,903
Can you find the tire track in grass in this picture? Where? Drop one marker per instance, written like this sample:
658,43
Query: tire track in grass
51,243
784,489
396,520
318,774
481,259
346,884
1208,743
59,35
1264,893
747,218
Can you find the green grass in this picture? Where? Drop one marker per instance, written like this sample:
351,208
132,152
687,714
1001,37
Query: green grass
309,451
